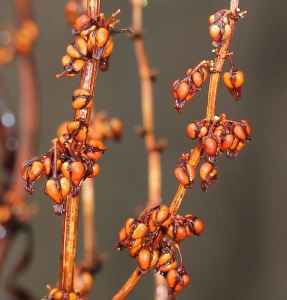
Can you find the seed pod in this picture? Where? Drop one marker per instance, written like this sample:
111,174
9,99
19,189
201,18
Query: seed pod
205,168
210,146
171,278
182,283
151,224
65,186
167,221
173,90
214,32
73,296
202,132
95,172
247,128
198,226
234,144
180,234
144,259
78,49
65,168
82,99
81,21
101,37
154,259
52,190
81,134
166,268
109,48
36,170
181,176
133,252
191,130
122,235
77,172
47,164
162,214
197,79
240,146
78,65
73,126
57,295
164,258
66,60
227,142
96,144
182,91
227,32
239,132
139,231
129,226
170,231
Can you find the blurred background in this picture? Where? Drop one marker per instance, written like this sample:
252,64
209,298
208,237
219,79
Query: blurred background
242,253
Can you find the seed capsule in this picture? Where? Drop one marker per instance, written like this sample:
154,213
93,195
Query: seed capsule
227,142
172,277
166,268
57,295
198,226
183,283
205,168
77,172
95,171
151,224
181,176
180,234
78,49
51,189
197,79
139,231
65,186
210,146
247,128
202,132
191,130
234,144
227,32
133,252
73,296
122,235
164,258
81,134
81,22
101,37
144,259
35,171
129,226
214,32
182,91
162,214
239,132
109,48
154,259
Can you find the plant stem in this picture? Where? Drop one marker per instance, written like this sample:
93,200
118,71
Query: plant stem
70,220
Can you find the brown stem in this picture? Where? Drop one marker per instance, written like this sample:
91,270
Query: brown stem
70,220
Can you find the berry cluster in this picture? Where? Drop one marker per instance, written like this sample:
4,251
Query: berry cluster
94,42
146,238
71,160
184,89
219,136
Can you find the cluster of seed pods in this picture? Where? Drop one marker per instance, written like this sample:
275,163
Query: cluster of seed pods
184,89
94,42
57,294
219,136
146,239
19,41
71,160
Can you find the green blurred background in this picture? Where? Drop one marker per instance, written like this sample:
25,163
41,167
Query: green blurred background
242,253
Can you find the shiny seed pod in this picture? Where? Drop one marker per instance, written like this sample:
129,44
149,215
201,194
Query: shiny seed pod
234,144
109,48
59,164
95,172
81,22
191,130
171,278
133,252
35,171
190,95
182,91
57,295
202,132
151,224
210,146
136,243
227,32
66,60
180,234
96,143
139,231
129,226
205,74
73,296
162,214
214,32
81,135
184,282
81,103
240,146
166,268
198,226
227,142
181,176
78,65
65,186
102,36
77,172
247,128
167,221
239,79
73,126
170,231
239,132
122,235
65,168
164,258
94,155
174,94
205,168
197,79
144,259
51,189
154,259
47,164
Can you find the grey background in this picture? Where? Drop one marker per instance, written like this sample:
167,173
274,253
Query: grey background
242,253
